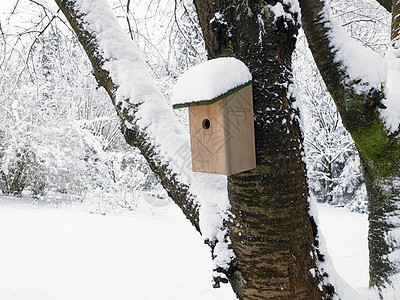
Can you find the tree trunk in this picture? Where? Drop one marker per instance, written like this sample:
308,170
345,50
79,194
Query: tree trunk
271,231
379,149
383,206
387,4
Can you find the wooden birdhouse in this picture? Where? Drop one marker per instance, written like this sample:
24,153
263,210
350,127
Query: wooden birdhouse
218,94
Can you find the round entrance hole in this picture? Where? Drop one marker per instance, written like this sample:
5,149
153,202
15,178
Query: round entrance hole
206,123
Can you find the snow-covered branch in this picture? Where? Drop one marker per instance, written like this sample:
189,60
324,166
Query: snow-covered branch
354,64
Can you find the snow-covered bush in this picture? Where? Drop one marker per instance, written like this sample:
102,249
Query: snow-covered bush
13,172
60,133
119,177
41,144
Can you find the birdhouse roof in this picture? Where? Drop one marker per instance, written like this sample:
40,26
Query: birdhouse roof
210,82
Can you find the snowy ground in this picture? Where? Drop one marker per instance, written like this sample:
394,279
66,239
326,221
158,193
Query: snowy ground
346,239
154,253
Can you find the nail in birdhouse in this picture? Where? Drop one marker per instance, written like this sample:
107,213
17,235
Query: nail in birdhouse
218,94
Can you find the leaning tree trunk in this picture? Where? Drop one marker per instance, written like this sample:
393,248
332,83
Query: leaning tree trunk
271,231
134,135
379,149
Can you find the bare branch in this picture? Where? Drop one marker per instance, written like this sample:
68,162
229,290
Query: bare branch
15,7
127,19
180,30
37,38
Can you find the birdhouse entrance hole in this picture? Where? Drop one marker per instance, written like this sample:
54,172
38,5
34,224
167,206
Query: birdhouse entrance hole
206,123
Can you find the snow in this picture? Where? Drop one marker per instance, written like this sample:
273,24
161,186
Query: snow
6,8
279,12
360,62
210,79
352,253
67,253
71,254
326,220
155,116
294,6
391,115
212,213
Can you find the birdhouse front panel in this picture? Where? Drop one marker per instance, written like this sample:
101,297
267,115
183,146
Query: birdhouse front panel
207,139
222,134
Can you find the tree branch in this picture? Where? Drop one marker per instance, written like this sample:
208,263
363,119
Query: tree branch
317,30
37,38
357,100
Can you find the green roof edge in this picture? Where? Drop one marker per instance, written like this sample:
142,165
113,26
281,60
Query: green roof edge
211,101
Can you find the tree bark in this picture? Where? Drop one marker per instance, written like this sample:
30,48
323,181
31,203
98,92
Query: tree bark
271,231
395,30
379,149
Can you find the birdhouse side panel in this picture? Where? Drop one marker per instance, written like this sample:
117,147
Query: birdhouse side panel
239,128
207,138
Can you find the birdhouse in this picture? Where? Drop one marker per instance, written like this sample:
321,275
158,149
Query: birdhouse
218,94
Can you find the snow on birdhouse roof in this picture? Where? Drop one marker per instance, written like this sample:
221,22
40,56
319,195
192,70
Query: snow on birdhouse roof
210,81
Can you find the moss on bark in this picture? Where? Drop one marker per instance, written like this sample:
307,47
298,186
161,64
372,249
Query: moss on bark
378,148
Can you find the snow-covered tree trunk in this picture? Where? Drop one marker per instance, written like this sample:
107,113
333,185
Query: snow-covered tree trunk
271,229
134,134
355,78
